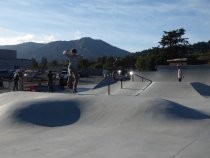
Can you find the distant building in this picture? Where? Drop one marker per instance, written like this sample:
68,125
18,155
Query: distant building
179,61
8,60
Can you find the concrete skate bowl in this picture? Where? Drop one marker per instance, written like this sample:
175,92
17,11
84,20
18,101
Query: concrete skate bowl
173,111
48,113
201,88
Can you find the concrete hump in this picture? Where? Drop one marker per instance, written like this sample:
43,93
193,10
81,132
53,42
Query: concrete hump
173,111
172,90
48,113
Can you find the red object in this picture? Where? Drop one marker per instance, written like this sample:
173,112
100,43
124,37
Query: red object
32,89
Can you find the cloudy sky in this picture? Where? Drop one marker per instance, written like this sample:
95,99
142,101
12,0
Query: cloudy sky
133,25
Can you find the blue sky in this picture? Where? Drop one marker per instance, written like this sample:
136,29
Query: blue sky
133,25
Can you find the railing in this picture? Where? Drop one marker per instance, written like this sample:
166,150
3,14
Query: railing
132,79
142,79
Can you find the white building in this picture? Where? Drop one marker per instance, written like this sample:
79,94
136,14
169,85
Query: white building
178,61
8,60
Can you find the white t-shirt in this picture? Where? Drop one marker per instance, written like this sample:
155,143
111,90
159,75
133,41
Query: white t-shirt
179,73
73,60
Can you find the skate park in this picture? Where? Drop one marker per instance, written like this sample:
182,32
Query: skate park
152,115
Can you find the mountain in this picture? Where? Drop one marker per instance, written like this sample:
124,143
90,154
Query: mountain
90,48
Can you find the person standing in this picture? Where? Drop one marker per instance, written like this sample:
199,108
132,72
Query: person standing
50,81
15,79
21,85
74,59
1,82
61,82
179,74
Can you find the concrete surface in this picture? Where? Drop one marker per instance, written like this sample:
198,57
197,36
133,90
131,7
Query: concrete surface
160,120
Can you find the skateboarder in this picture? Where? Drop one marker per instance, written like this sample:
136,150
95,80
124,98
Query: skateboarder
74,59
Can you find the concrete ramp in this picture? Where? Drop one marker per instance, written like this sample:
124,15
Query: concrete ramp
171,90
192,73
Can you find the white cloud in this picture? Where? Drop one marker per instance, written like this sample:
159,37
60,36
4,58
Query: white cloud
46,38
77,35
26,38
128,24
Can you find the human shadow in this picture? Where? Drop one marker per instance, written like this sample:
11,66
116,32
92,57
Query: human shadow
201,88
49,114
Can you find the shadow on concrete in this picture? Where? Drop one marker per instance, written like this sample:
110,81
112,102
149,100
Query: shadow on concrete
49,114
201,88
183,112
56,88
169,110
105,82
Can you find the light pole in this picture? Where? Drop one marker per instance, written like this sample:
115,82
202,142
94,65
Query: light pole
131,74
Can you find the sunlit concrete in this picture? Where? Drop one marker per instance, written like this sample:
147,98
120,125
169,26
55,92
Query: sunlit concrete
162,119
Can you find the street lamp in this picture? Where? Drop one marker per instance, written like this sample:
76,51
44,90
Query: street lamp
119,72
131,74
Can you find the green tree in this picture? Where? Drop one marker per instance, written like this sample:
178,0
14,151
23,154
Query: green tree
102,60
174,43
128,62
109,64
173,38
54,63
84,63
97,66
35,64
44,63
140,63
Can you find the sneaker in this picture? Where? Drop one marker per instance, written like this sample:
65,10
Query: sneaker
74,91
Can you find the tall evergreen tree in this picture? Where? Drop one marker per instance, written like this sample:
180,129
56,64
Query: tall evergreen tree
174,43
